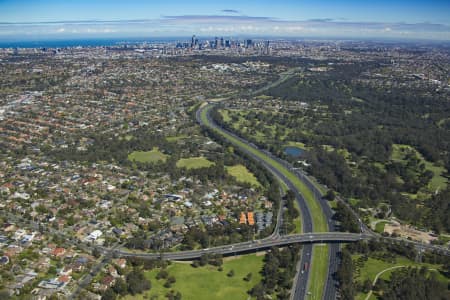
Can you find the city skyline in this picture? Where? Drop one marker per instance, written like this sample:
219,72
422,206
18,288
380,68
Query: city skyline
49,19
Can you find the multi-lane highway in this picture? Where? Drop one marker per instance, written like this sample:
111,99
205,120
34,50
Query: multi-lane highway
334,248
301,284
301,281
333,239
307,224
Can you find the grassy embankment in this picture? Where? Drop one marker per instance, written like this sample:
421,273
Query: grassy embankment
319,265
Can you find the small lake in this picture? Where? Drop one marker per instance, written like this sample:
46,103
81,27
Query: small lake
294,151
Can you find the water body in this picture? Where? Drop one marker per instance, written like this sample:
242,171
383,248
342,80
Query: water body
62,43
294,151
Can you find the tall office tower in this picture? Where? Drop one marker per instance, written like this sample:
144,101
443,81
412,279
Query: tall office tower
193,41
248,43
266,47
227,44
216,40
221,42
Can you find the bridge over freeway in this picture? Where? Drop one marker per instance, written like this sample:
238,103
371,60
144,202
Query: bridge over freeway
251,246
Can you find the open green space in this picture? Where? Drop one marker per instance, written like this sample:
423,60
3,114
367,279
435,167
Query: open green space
374,266
296,144
147,156
225,115
176,138
205,283
259,131
438,181
194,163
380,226
333,204
242,174
319,269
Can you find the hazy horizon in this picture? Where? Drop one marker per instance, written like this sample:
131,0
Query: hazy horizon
50,19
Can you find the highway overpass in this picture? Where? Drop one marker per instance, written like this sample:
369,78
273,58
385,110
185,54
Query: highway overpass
253,246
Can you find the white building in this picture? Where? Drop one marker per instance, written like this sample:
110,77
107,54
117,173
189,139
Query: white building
94,235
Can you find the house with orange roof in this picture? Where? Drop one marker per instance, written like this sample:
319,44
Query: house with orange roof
243,218
64,279
250,219
58,252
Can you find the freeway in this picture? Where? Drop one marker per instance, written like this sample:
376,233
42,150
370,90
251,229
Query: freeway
307,223
252,246
334,248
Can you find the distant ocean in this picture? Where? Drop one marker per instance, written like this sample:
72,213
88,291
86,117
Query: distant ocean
84,42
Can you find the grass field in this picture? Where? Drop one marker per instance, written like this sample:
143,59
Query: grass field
333,204
176,138
296,144
380,226
373,266
225,115
242,174
194,163
148,156
438,181
318,270
205,283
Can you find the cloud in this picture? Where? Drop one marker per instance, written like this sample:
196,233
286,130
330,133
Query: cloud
321,20
185,25
230,11
215,18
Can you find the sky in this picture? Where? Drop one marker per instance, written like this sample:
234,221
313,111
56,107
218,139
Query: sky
70,19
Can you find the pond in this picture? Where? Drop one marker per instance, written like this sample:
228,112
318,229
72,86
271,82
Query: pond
294,151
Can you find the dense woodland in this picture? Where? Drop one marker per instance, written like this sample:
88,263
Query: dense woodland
278,270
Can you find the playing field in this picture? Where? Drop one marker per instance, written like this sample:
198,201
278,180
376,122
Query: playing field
148,156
